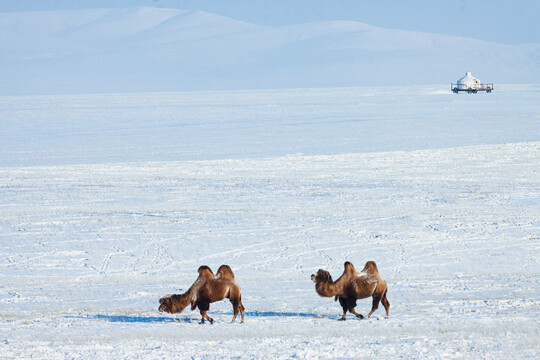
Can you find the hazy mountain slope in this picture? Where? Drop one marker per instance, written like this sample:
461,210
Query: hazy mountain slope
150,49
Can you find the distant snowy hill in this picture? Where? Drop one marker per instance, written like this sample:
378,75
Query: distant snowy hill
150,49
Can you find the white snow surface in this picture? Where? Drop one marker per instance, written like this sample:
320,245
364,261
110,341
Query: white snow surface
109,202
75,129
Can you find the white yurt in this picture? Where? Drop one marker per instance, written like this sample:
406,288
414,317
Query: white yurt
468,82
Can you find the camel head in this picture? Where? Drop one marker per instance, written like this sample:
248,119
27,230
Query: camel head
321,276
174,303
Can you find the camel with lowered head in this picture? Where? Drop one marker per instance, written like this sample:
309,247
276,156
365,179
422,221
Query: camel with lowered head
205,290
352,286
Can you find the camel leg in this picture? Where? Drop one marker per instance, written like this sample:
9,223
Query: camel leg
242,310
204,307
236,309
355,313
343,302
385,303
375,306
351,304
205,316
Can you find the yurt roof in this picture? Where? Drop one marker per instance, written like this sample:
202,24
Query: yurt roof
468,79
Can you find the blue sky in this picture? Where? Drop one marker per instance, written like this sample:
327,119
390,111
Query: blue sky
503,21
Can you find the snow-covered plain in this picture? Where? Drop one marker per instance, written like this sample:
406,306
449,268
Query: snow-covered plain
109,202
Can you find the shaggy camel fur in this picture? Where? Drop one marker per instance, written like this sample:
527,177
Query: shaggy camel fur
352,286
205,290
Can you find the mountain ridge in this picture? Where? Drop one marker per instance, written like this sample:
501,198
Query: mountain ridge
155,49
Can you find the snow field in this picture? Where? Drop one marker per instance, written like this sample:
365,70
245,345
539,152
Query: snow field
143,127
86,251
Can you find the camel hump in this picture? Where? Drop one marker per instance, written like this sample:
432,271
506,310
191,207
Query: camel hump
225,272
370,268
349,268
203,269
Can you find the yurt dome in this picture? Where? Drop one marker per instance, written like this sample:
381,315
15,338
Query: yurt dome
468,82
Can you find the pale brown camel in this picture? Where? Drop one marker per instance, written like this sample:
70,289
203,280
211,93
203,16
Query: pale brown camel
205,290
352,286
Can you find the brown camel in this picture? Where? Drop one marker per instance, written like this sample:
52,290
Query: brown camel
352,286
205,290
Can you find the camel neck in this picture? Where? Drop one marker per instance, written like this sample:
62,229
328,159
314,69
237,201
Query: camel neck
329,288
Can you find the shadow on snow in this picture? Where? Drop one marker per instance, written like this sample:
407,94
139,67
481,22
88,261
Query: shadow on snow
286,314
183,319
137,319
